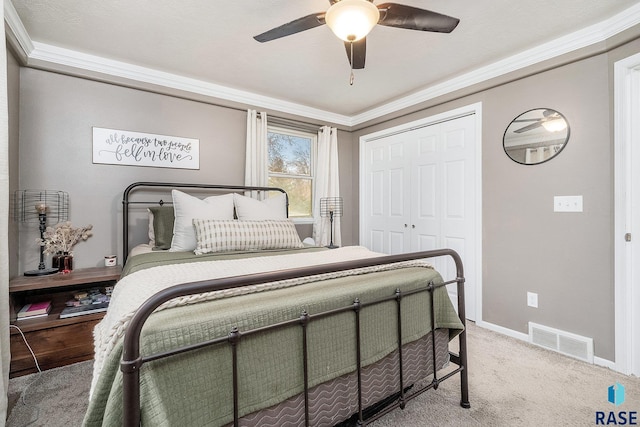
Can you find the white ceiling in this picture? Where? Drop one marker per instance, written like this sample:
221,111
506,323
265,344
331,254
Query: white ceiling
210,45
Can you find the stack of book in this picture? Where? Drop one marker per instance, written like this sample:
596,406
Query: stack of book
84,309
36,309
87,302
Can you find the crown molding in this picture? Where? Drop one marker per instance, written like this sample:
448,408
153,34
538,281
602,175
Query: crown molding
16,33
47,56
563,45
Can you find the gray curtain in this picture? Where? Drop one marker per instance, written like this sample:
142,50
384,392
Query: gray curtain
5,355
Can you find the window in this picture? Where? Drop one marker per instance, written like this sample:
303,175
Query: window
291,157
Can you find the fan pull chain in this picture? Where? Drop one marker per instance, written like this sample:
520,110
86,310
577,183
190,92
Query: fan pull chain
351,77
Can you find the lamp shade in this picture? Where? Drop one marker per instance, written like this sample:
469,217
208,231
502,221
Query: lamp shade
352,20
28,205
330,207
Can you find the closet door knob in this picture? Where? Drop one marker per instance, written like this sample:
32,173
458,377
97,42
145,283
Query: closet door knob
405,226
413,226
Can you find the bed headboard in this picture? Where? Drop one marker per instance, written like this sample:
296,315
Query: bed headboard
205,189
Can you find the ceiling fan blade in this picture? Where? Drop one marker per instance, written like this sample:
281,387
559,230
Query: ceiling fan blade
359,53
527,128
293,27
412,18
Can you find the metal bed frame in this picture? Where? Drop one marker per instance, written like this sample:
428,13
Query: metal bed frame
132,361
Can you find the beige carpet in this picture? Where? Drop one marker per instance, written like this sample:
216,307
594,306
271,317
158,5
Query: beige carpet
511,384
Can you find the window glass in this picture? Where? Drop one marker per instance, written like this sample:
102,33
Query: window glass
291,168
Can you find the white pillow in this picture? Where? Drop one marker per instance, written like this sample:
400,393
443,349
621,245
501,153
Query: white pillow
247,208
187,208
235,235
309,241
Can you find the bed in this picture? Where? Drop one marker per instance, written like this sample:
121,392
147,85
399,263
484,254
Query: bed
251,327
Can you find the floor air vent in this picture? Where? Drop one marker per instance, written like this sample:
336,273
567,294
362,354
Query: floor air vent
562,342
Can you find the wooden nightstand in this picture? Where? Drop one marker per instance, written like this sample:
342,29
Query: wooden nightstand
55,342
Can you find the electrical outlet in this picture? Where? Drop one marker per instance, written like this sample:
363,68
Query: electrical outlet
532,299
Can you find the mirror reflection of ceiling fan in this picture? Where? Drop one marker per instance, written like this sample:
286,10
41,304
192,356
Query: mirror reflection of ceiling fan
551,120
352,20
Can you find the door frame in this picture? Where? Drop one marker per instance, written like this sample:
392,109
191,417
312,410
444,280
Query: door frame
626,130
471,109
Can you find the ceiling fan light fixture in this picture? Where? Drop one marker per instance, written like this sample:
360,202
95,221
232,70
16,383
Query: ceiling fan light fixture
351,20
555,125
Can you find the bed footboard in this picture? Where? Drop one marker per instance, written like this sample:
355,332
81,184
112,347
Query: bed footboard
133,361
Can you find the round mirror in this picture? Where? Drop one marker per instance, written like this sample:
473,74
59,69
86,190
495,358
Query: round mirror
536,136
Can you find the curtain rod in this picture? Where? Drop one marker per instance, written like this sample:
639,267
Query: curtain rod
293,124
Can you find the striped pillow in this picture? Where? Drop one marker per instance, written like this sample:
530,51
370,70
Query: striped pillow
234,235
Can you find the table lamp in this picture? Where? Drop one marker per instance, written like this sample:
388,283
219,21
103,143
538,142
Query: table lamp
331,207
31,206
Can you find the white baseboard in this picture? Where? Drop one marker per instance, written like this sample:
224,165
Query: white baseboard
604,362
504,331
525,337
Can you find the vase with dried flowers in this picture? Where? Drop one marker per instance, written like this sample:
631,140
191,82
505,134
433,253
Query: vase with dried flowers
59,241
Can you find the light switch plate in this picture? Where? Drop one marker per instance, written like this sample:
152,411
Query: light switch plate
567,204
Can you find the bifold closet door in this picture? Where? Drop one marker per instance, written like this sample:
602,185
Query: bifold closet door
387,199
443,197
419,195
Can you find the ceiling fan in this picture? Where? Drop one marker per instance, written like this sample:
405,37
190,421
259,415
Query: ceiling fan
351,21
551,120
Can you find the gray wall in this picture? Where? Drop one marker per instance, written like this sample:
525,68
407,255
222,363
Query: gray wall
57,115
567,258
